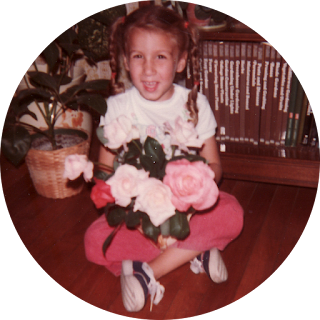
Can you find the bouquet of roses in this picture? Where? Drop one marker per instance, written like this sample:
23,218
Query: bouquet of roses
155,187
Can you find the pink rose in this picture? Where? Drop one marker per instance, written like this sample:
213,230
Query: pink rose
119,132
75,165
101,194
192,184
154,198
183,134
124,183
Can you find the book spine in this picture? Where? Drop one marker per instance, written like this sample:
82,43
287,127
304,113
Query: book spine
255,47
243,56
237,93
270,96
313,135
213,52
283,99
302,118
226,88
222,94
231,92
205,69
297,114
292,102
258,94
248,93
307,125
200,49
263,115
276,115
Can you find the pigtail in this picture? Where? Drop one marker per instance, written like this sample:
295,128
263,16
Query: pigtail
194,57
115,56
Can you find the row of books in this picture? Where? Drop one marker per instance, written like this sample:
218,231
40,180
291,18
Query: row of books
255,96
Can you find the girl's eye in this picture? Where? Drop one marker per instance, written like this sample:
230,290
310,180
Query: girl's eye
161,56
137,56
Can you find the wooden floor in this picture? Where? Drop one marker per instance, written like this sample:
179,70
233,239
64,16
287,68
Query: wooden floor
52,231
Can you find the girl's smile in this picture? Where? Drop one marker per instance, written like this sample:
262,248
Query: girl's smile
153,60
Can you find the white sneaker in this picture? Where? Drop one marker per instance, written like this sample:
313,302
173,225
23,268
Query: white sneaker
212,264
137,281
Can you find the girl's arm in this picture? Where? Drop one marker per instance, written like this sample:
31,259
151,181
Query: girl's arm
106,157
210,152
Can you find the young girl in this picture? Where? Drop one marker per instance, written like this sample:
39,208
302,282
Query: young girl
155,44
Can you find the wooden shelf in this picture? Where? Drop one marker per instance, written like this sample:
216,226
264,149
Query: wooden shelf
290,166
230,36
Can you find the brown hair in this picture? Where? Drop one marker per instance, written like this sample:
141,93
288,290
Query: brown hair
153,17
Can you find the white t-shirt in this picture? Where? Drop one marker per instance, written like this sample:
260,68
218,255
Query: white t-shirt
150,116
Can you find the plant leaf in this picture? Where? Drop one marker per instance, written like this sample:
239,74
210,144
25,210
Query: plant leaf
107,242
179,226
100,135
42,79
51,54
154,158
15,144
149,229
132,219
115,215
95,101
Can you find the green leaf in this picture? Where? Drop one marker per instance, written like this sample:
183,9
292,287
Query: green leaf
154,158
133,219
19,104
149,229
100,135
97,85
179,226
101,175
94,101
165,228
109,239
51,54
68,36
134,150
15,144
43,79
107,242
115,215
154,149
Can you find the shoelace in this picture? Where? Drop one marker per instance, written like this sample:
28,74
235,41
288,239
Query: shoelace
156,290
196,266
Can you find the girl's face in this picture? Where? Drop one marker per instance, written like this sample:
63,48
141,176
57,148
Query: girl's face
152,61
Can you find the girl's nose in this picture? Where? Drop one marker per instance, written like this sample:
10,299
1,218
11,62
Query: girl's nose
149,67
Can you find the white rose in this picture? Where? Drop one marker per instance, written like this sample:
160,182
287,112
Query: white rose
75,165
183,134
124,183
154,198
119,132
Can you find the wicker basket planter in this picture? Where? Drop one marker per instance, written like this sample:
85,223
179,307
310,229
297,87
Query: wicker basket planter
46,170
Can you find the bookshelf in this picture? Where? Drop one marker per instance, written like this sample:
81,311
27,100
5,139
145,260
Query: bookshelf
298,165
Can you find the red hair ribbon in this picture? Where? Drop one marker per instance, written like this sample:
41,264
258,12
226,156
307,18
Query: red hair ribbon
186,24
123,19
113,75
197,83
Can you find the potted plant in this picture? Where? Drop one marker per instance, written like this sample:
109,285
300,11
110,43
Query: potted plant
53,93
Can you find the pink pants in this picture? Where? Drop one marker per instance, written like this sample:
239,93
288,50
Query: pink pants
215,228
